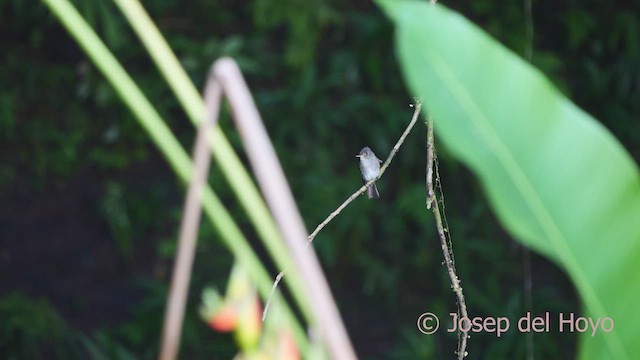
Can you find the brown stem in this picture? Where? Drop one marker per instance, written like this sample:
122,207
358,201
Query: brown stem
432,202
174,313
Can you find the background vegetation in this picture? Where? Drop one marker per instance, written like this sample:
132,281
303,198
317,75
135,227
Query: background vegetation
90,210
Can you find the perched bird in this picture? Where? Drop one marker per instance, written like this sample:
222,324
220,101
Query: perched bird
369,167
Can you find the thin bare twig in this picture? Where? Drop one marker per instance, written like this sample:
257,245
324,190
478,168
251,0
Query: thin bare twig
273,290
445,242
384,166
430,146
360,191
528,29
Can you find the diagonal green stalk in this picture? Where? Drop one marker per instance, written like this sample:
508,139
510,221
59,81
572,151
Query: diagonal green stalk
230,165
164,139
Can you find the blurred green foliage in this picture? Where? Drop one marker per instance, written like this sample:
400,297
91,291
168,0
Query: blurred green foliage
30,328
326,81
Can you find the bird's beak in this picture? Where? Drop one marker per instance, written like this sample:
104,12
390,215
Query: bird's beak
359,155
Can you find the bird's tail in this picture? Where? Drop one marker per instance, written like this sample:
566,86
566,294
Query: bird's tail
372,191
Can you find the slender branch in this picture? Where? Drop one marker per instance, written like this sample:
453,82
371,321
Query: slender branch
442,235
273,290
360,191
383,168
528,20
430,194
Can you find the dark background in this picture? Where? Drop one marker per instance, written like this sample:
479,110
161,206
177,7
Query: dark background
89,210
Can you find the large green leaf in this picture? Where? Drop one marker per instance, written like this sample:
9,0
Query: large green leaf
557,179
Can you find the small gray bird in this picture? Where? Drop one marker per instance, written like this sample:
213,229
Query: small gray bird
369,167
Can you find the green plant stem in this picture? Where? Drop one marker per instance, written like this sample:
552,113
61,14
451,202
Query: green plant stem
162,136
232,169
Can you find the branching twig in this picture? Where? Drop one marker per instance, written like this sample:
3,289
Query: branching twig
432,201
383,168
